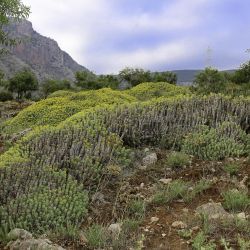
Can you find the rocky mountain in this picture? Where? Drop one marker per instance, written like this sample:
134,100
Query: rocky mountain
39,53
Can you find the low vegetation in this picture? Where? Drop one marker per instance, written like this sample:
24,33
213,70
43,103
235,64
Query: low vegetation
79,157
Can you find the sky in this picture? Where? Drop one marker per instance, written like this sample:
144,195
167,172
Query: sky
158,35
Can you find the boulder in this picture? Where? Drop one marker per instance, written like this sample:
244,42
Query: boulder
23,240
214,211
150,159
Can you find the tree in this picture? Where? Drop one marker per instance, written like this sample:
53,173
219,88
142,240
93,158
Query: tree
22,83
86,80
11,10
167,76
135,76
108,81
49,86
210,81
242,75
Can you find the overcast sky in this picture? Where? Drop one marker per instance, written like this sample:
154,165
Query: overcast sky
108,35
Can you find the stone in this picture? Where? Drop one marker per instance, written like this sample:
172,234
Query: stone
115,228
82,237
214,211
98,197
18,233
179,225
165,181
28,244
154,219
241,216
150,159
142,185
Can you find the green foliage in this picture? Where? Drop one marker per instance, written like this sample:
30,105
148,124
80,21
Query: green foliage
149,90
168,77
87,80
243,244
23,82
11,9
210,81
175,190
5,96
242,75
231,168
96,236
40,199
54,110
134,76
200,242
198,188
137,208
228,139
235,200
177,160
50,86
179,189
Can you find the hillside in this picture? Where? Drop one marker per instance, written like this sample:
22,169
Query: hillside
39,53
152,167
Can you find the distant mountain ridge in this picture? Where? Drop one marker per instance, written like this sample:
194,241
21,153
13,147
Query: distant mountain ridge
39,53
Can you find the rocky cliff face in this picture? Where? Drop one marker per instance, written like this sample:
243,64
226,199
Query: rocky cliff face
39,53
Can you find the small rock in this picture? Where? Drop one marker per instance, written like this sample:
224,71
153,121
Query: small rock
214,211
163,235
149,159
98,197
185,210
115,228
241,216
142,185
195,229
165,181
82,238
142,168
154,219
20,234
179,225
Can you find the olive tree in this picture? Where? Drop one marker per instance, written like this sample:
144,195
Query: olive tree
11,10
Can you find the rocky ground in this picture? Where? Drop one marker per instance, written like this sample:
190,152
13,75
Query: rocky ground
167,205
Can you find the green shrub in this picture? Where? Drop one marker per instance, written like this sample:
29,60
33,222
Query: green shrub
198,188
149,90
137,208
40,200
200,242
96,236
231,168
227,140
5,96
177,160
176,189
235,200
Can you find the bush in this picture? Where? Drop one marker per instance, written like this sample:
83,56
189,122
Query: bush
40,199
177,160
5,96
137,208
176,189
231,168
149,90
227,140
235,200
96,236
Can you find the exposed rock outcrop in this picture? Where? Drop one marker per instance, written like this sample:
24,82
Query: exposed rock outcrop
37,52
